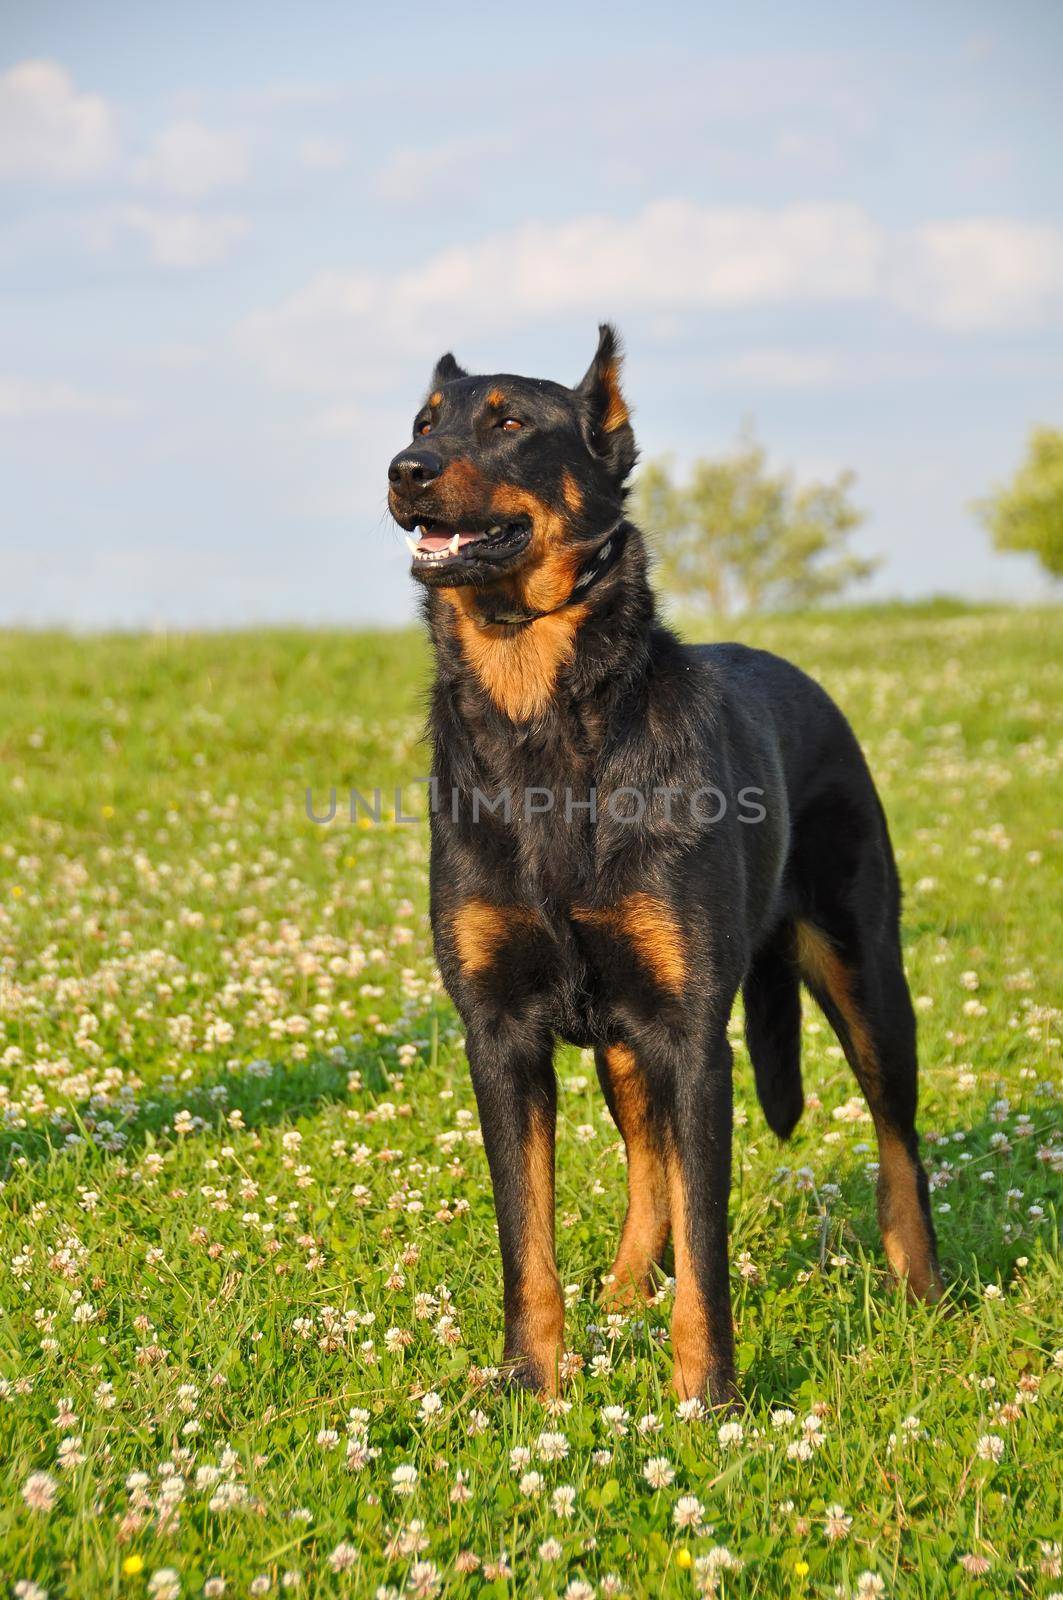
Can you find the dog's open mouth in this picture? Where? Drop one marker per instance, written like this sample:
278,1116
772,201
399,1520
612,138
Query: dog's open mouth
440,545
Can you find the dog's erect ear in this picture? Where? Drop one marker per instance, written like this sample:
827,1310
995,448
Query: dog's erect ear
607,421
446,370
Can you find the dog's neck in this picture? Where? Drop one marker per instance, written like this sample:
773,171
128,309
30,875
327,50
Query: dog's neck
528,669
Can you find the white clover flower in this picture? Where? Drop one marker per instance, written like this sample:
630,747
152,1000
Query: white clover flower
164,1584
404,1479
730,1434
551,1446
688,1512
563,1501
424,1579
718,1559
837,1523
659,1472
343,1557
990,1447
39,1491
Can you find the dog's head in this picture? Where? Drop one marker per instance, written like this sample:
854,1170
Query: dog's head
513,478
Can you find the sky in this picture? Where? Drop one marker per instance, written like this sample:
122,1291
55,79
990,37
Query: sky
234,239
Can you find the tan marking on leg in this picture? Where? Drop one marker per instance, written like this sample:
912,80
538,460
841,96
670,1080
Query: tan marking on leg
481,929
821,966
690,1329
646,1224
901,1220
542,1313
653,930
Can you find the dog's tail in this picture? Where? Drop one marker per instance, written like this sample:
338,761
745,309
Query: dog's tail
772,997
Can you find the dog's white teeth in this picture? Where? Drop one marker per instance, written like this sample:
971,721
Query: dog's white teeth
411,545
455,544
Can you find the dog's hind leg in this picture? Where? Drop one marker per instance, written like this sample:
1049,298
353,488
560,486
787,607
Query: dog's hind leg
771,995
646,1224
864,994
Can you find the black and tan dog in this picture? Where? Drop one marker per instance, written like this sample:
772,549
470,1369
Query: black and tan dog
627,831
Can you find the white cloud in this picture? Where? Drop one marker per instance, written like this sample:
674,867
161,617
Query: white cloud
672,257
779,368
190,160
182,238
323,155
178,357
22,399
48,129
412,176
983,273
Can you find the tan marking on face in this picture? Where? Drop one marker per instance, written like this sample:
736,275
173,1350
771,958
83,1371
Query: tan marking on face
547,575
542,1311
653,930
571,492
496,399
519,669
460,491
646,1225
690,1327
435,399
482,929
616,411
905,1236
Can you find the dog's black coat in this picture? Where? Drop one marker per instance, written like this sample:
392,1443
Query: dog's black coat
632,933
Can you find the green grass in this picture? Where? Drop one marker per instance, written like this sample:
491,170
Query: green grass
234,1097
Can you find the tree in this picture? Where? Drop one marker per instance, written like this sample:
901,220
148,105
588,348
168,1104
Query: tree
1027,513
739,536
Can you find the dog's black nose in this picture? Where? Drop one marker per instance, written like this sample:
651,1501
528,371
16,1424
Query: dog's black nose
413,470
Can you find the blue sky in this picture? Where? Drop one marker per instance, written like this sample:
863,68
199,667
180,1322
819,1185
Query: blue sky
234,238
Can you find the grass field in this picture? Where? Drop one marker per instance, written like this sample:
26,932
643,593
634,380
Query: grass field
249,1290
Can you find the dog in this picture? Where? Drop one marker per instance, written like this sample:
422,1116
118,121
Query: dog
627,831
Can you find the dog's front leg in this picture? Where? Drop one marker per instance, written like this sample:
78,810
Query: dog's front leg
699,1169
516,1093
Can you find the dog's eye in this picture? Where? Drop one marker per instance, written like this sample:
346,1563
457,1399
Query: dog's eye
510,424
424,427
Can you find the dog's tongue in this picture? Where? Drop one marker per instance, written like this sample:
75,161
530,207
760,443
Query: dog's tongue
440,541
